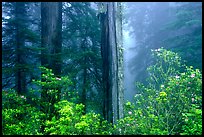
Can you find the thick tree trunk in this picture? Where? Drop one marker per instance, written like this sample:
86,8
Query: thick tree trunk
113,78
51,42
51,14
111,44
51,37
105,55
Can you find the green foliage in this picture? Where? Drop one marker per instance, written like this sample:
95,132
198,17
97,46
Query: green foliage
73,121
167,64
53,89
174,106
136,122
193,121
51,85
18,117
51,80
165,110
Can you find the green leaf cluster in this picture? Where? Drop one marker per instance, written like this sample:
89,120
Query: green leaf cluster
172,107
73,121
18,117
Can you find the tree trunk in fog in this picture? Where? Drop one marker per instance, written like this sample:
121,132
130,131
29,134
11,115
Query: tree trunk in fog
51,17
120,59
112,62
113,59
20,43
51,42
105,70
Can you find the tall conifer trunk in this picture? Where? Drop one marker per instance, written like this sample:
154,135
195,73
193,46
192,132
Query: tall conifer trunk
111,50
51,43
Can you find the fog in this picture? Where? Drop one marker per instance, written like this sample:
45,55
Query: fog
151,25
129,82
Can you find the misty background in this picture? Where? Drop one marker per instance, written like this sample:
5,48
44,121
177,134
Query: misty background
176,26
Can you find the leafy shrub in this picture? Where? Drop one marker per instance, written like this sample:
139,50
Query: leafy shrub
18,117
167,64
52,84
193,121
162,106
73,121
52,89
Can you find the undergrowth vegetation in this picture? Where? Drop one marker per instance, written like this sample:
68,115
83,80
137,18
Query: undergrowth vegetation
171,103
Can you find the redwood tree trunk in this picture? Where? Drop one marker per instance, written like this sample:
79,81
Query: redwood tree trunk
51,43
106,66
51,15
111,46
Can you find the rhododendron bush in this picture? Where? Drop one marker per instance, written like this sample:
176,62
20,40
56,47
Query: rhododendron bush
170,104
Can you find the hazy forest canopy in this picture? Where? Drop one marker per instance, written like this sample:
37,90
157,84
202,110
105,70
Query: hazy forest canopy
110,68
